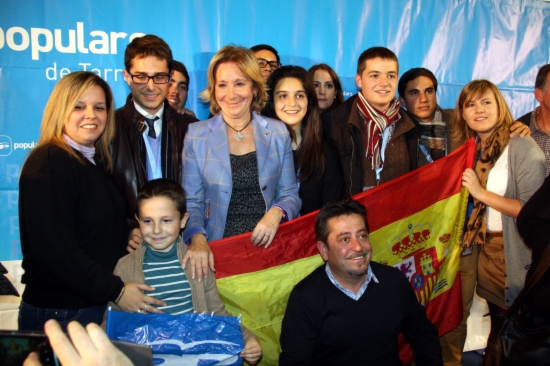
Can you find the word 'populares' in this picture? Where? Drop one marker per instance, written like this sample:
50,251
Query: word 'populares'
42,40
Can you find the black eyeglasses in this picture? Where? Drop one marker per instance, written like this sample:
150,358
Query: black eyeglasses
144,79
273,64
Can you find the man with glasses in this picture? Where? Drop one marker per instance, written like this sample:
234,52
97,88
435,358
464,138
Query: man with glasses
268,59
149,137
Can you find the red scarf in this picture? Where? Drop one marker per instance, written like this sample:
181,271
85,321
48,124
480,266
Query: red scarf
376,122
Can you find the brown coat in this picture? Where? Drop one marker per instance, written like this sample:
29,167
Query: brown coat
204,294
345,128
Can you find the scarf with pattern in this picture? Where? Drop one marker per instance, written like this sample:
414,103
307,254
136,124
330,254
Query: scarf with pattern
476,229
376,122
433,135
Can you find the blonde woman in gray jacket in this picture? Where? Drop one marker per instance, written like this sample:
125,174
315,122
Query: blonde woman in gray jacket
506,174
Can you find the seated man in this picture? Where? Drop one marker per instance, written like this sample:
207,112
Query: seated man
179,86
350,310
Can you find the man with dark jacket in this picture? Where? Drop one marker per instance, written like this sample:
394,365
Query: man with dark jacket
433,125
350,311
369,128
539,119
149,137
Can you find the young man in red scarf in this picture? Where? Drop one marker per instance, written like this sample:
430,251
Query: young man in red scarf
369,129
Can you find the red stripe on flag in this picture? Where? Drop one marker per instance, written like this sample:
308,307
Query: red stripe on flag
445,311
294,240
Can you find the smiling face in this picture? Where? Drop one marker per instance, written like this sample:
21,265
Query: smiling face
290,100
481,114
234,93
177,92
88,120
160,222
420,98
378,82
148,96
324,87
269,57
348,250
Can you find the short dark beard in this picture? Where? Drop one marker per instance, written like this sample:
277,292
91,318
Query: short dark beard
358,274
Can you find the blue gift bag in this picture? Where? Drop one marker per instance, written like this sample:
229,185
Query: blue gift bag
187,339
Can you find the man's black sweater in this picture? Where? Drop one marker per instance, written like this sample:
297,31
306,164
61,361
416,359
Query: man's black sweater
323,326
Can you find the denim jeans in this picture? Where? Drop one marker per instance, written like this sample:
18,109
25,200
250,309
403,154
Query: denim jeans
32,318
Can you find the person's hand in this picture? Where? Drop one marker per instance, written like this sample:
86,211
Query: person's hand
519,128
265,230
184,110
32,360
134,240
200,257
252,351
135,301
89,347
470,181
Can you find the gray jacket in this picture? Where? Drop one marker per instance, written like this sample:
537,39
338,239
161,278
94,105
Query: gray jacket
526,173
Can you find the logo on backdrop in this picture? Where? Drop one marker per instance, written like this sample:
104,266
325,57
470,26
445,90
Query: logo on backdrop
7,146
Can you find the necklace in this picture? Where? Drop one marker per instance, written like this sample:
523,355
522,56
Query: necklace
239,136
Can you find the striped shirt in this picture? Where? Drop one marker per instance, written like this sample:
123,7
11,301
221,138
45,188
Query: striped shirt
163,271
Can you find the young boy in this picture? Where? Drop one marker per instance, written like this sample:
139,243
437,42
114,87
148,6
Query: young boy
161,214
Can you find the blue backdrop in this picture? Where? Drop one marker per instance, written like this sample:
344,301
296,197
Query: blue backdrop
505,41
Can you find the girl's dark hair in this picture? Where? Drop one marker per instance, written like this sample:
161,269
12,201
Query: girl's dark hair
310,155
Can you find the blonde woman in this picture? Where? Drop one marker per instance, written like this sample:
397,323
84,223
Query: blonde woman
71,217
238,166
506,174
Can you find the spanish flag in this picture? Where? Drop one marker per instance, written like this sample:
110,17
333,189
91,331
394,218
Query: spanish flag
415,224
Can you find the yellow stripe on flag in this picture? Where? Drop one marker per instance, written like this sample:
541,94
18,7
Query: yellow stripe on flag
261,298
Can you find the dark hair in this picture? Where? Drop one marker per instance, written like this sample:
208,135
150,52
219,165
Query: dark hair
267,47
335,79
413,74
310,154
375,52
163,187
540,82
337,209
180,67
148,45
